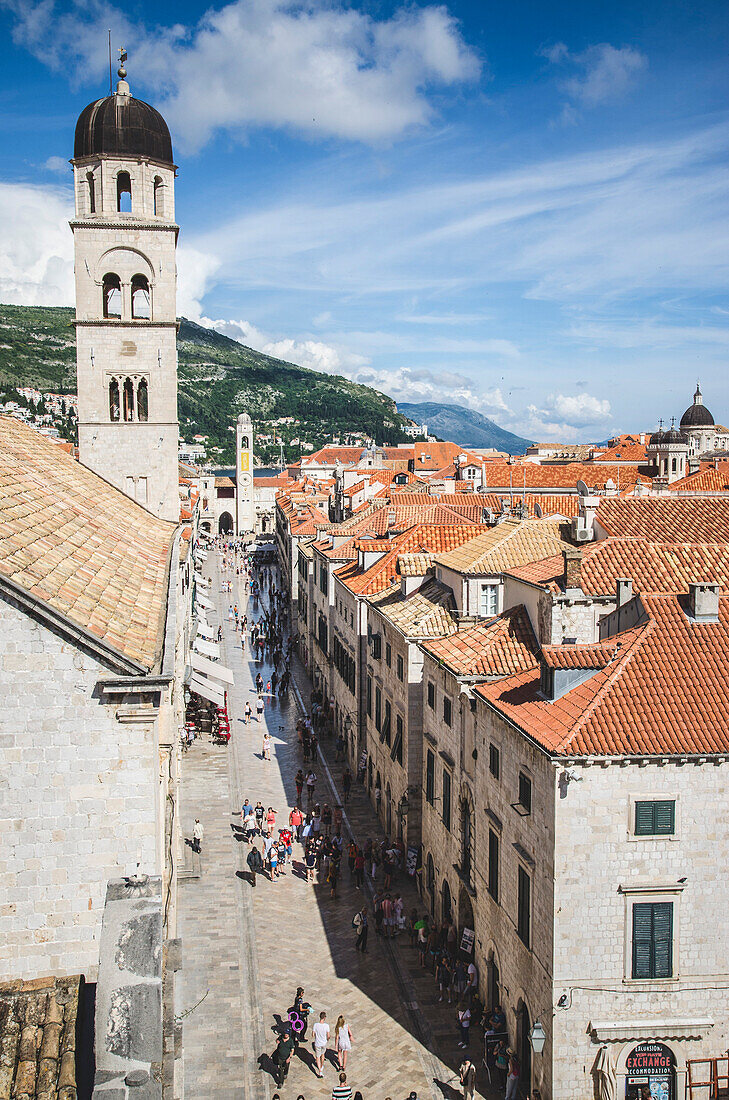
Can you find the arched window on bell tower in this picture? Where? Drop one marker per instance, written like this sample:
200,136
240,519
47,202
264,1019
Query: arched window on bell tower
141,306
114,399
159,204
124,193
128,399
91,187
143,401
112,295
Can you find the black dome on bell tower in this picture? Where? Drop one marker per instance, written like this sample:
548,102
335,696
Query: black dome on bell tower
121,126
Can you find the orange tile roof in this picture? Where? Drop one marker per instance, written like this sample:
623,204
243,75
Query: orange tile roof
427,537
500,647
511,542
653,567
623,452
425,613
666,519
712,479
597,655
330,455
74,541
664,693
530,475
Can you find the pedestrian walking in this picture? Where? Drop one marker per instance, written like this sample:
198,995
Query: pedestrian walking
342,1091
464,1023
360,923
266,751
299,781
197,835
259,708
310,785
282,1057
512,1075
248,712
301,1008
320,1033
342,1041
255,863
467,1074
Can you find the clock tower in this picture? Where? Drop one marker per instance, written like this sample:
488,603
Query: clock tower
245,503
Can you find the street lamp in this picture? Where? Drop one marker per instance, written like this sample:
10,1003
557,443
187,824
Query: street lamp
404,805
537,1037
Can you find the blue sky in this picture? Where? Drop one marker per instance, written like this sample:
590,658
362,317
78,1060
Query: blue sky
522,208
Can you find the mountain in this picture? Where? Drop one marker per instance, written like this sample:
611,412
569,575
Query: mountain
463,426
218,379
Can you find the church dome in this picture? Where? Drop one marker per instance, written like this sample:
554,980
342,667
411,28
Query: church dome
674,436
697,415
121,126
657,438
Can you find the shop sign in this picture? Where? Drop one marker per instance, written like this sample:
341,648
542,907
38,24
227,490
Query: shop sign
650,1060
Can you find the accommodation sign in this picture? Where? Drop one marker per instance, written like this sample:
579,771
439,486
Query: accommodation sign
650,1060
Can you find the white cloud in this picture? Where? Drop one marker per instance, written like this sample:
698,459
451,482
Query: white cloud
565,416
314,354
603,74
36,248
58,165
314,68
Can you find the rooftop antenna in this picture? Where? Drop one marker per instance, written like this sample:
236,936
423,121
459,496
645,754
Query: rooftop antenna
110,79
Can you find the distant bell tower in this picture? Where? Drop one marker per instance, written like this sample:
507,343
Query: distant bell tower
125,239
245,503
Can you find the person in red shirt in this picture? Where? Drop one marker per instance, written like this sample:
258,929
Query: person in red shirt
287,838
295,821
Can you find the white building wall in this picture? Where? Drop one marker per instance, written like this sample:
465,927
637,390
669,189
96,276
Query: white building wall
79,803
596,855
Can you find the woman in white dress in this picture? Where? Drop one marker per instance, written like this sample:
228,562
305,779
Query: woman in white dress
342,1041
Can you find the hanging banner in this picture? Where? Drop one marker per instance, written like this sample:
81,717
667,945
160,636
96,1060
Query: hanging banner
467,940
411,863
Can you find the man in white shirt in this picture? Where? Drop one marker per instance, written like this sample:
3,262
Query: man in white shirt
472,987
320,1032
197,835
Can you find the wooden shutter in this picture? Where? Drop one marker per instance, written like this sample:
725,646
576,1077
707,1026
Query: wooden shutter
662,940
642,940
664,818
493,865
524,906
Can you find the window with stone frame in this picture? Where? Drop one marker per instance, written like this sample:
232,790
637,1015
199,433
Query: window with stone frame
447,711
446,798
430,777
400,668
524,907
652,940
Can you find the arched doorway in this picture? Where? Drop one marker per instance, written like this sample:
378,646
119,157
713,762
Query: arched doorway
205,525
225,523
264,525
446,905
524,1047
650,1066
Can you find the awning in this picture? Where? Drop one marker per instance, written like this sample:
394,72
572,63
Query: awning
198,553
211,668
210,691
199,579
206,630
209,649
203,601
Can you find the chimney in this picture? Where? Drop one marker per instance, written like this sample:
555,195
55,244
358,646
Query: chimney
703,602
572,577
623,591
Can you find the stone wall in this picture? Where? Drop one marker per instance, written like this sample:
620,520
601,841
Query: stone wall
79,804
598,863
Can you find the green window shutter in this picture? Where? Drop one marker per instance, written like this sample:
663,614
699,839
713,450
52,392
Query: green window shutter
664,818
642,940
644,819
493,865
662,940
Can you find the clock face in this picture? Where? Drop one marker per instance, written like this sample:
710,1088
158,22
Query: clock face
245,480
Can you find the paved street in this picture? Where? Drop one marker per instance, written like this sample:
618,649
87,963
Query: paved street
246,950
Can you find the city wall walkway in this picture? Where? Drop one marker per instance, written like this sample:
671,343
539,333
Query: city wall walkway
246,950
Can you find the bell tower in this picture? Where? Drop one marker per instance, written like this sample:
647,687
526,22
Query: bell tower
125,240
245,502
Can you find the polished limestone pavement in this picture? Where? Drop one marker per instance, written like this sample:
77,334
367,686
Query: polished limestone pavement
246,950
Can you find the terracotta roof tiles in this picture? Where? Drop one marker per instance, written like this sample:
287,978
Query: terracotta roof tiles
664,693
500,647
82,546
666,519
38,1025
425,613
598,655
511,542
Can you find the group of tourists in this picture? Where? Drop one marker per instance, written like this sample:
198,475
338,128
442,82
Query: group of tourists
292,1035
